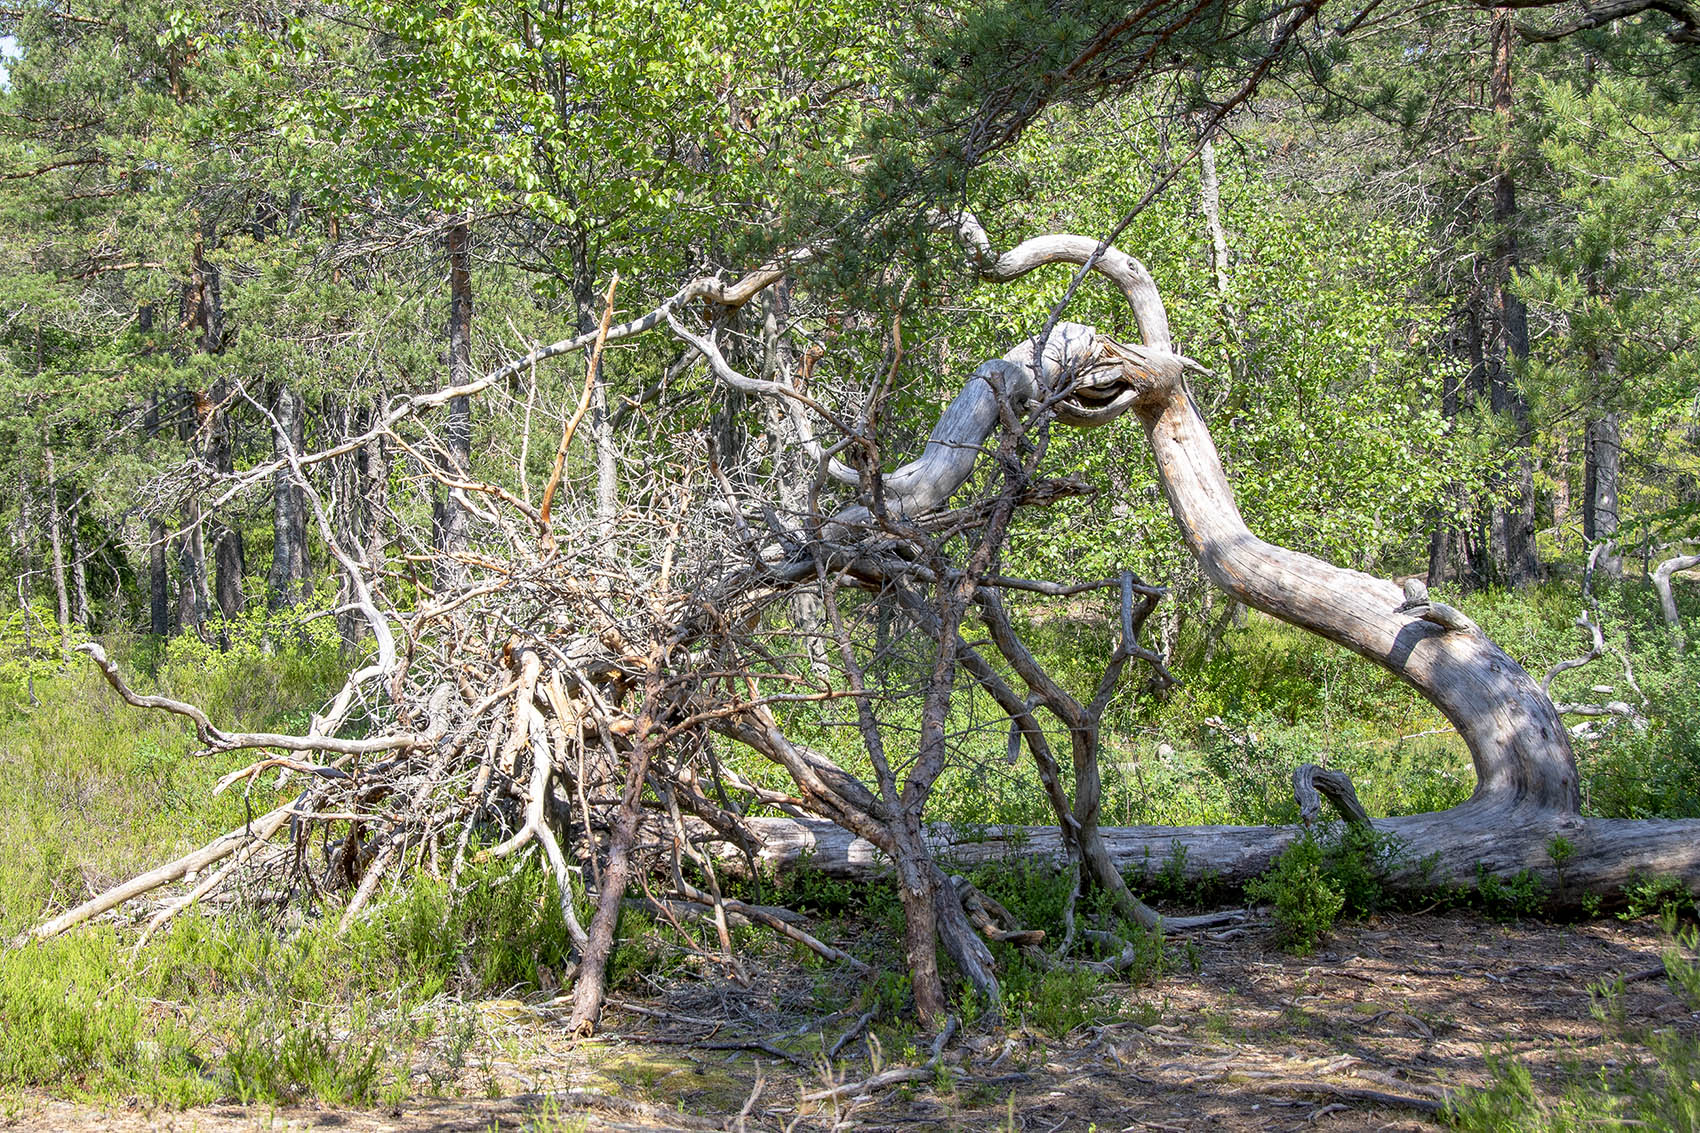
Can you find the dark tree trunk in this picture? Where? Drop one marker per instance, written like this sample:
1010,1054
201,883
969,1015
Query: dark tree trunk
229,564
1601,461
1475,563
159,596
192,602
229,555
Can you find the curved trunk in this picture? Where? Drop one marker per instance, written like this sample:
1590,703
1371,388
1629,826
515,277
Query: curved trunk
1521,751
1520,748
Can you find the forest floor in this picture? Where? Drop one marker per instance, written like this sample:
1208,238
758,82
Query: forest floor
1370,1033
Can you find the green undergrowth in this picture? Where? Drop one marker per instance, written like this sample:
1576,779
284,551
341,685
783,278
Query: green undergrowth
239,1005
93,790
257,1008
1264,697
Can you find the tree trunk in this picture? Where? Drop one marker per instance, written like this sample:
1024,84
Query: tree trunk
1436,851
229,555
229,565
286,580
79,568
1561,491
375,467
1210,204
192,603
1514,518
1520,748
57,547
453,526
1601,461
159,582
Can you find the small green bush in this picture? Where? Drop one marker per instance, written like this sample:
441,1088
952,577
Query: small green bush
1661,896
1054,1001
1306,898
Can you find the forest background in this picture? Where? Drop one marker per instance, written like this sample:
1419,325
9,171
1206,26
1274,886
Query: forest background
1439,261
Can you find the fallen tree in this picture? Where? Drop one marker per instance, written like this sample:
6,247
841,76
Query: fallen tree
565,695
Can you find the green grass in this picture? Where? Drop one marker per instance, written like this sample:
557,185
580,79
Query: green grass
248,1006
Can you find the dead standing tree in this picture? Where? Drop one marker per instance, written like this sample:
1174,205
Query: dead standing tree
532,701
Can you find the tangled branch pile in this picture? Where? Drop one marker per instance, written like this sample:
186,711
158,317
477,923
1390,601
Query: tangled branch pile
563,678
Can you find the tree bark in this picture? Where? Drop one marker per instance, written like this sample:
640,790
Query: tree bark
1436,851
57,548
230,560
192,601
80,612
159,598
1601,462
286,580
159,581
1513,518
229,564
458,435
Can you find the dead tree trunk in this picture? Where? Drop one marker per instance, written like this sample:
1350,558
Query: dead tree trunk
80,612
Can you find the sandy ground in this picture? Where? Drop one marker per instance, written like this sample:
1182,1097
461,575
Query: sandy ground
1368,1034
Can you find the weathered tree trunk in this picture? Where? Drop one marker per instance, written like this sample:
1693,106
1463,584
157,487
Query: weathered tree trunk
229,564
1436,851
1521,750
1526,780
80,612
192,602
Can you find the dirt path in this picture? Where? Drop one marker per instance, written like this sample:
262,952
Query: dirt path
1367,1034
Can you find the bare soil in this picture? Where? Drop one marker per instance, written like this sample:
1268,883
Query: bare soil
1369,1034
